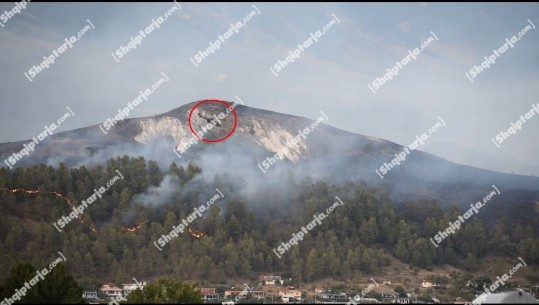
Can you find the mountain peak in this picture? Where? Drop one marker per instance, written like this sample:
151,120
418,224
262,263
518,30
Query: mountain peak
260,135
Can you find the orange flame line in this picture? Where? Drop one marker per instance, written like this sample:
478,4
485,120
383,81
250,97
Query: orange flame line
134,228
33,192
57,194
196,234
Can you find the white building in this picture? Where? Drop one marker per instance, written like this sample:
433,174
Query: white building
91,295
111,290
270,279
128,288
509,297
427,284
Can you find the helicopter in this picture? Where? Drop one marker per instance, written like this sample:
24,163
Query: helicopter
209,120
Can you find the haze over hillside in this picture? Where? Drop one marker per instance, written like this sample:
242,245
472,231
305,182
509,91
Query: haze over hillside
326,153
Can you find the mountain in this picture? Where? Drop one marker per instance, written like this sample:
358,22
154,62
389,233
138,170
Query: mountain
326,153
378,228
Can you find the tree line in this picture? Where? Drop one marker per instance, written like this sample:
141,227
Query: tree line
359,237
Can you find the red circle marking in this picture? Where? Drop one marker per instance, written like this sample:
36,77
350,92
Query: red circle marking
213,101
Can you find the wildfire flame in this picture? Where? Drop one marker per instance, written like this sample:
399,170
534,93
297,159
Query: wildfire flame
196,234
34,192
134,228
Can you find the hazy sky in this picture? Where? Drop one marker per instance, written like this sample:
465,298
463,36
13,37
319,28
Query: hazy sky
330,75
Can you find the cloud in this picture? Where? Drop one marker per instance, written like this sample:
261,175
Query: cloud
219,77
27,14
185,16
404,27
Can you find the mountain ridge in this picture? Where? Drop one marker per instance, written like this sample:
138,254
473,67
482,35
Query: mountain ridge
327,152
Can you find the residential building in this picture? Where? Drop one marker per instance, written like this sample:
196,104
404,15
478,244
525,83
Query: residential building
319,289
389,294
209,293
111,290
206,290
427,284
128,288
334,297
401,301
232,293
509,297
289,293
270,279
89,295
260,295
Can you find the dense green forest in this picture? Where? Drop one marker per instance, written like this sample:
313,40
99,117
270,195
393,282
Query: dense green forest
360,235
55,287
